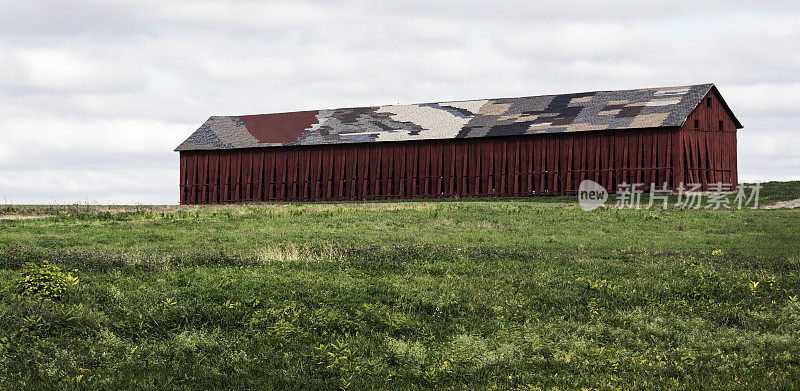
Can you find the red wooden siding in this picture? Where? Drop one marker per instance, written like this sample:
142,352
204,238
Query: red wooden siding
709,153
502,166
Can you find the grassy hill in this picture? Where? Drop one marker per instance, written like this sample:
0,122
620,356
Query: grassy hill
461,294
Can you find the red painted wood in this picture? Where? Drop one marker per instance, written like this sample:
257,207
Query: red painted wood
399,171
709,153
203,179
270,176
606,160
647,154
182,179
385,170
423,168
448,169
586,162
540,153
340,178
439,168
515,169
590,158
638,150
305,175
526,162
505,166
626,165
314,173
464,168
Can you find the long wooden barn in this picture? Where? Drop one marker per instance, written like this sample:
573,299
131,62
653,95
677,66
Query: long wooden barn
538,145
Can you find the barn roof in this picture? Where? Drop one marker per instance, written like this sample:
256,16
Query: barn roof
579,112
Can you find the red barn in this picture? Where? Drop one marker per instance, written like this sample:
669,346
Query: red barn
538,145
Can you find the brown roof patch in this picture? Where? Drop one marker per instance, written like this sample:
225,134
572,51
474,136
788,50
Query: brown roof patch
281,127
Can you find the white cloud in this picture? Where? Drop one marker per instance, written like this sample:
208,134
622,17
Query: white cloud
764,98
95,186
121,136
95,95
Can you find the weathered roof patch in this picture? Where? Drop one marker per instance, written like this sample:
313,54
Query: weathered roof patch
624,109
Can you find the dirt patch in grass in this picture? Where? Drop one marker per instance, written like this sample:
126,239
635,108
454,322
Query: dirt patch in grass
4,217
791,204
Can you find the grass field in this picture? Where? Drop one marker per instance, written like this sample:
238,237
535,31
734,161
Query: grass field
464,294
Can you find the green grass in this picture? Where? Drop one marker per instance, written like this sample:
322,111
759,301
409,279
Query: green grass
465,294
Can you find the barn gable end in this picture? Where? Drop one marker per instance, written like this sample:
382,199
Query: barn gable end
708,142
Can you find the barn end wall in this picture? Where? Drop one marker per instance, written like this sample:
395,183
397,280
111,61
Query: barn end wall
708,142
546,164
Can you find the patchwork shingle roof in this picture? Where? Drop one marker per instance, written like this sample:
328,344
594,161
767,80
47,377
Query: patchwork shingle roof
587,111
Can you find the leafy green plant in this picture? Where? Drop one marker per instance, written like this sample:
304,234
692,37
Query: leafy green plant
338,357
43,280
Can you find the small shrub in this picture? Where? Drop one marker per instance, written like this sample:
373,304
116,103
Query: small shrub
43,280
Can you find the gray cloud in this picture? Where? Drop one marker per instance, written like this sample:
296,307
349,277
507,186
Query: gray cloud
94,95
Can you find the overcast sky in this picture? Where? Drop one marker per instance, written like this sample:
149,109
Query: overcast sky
95,95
